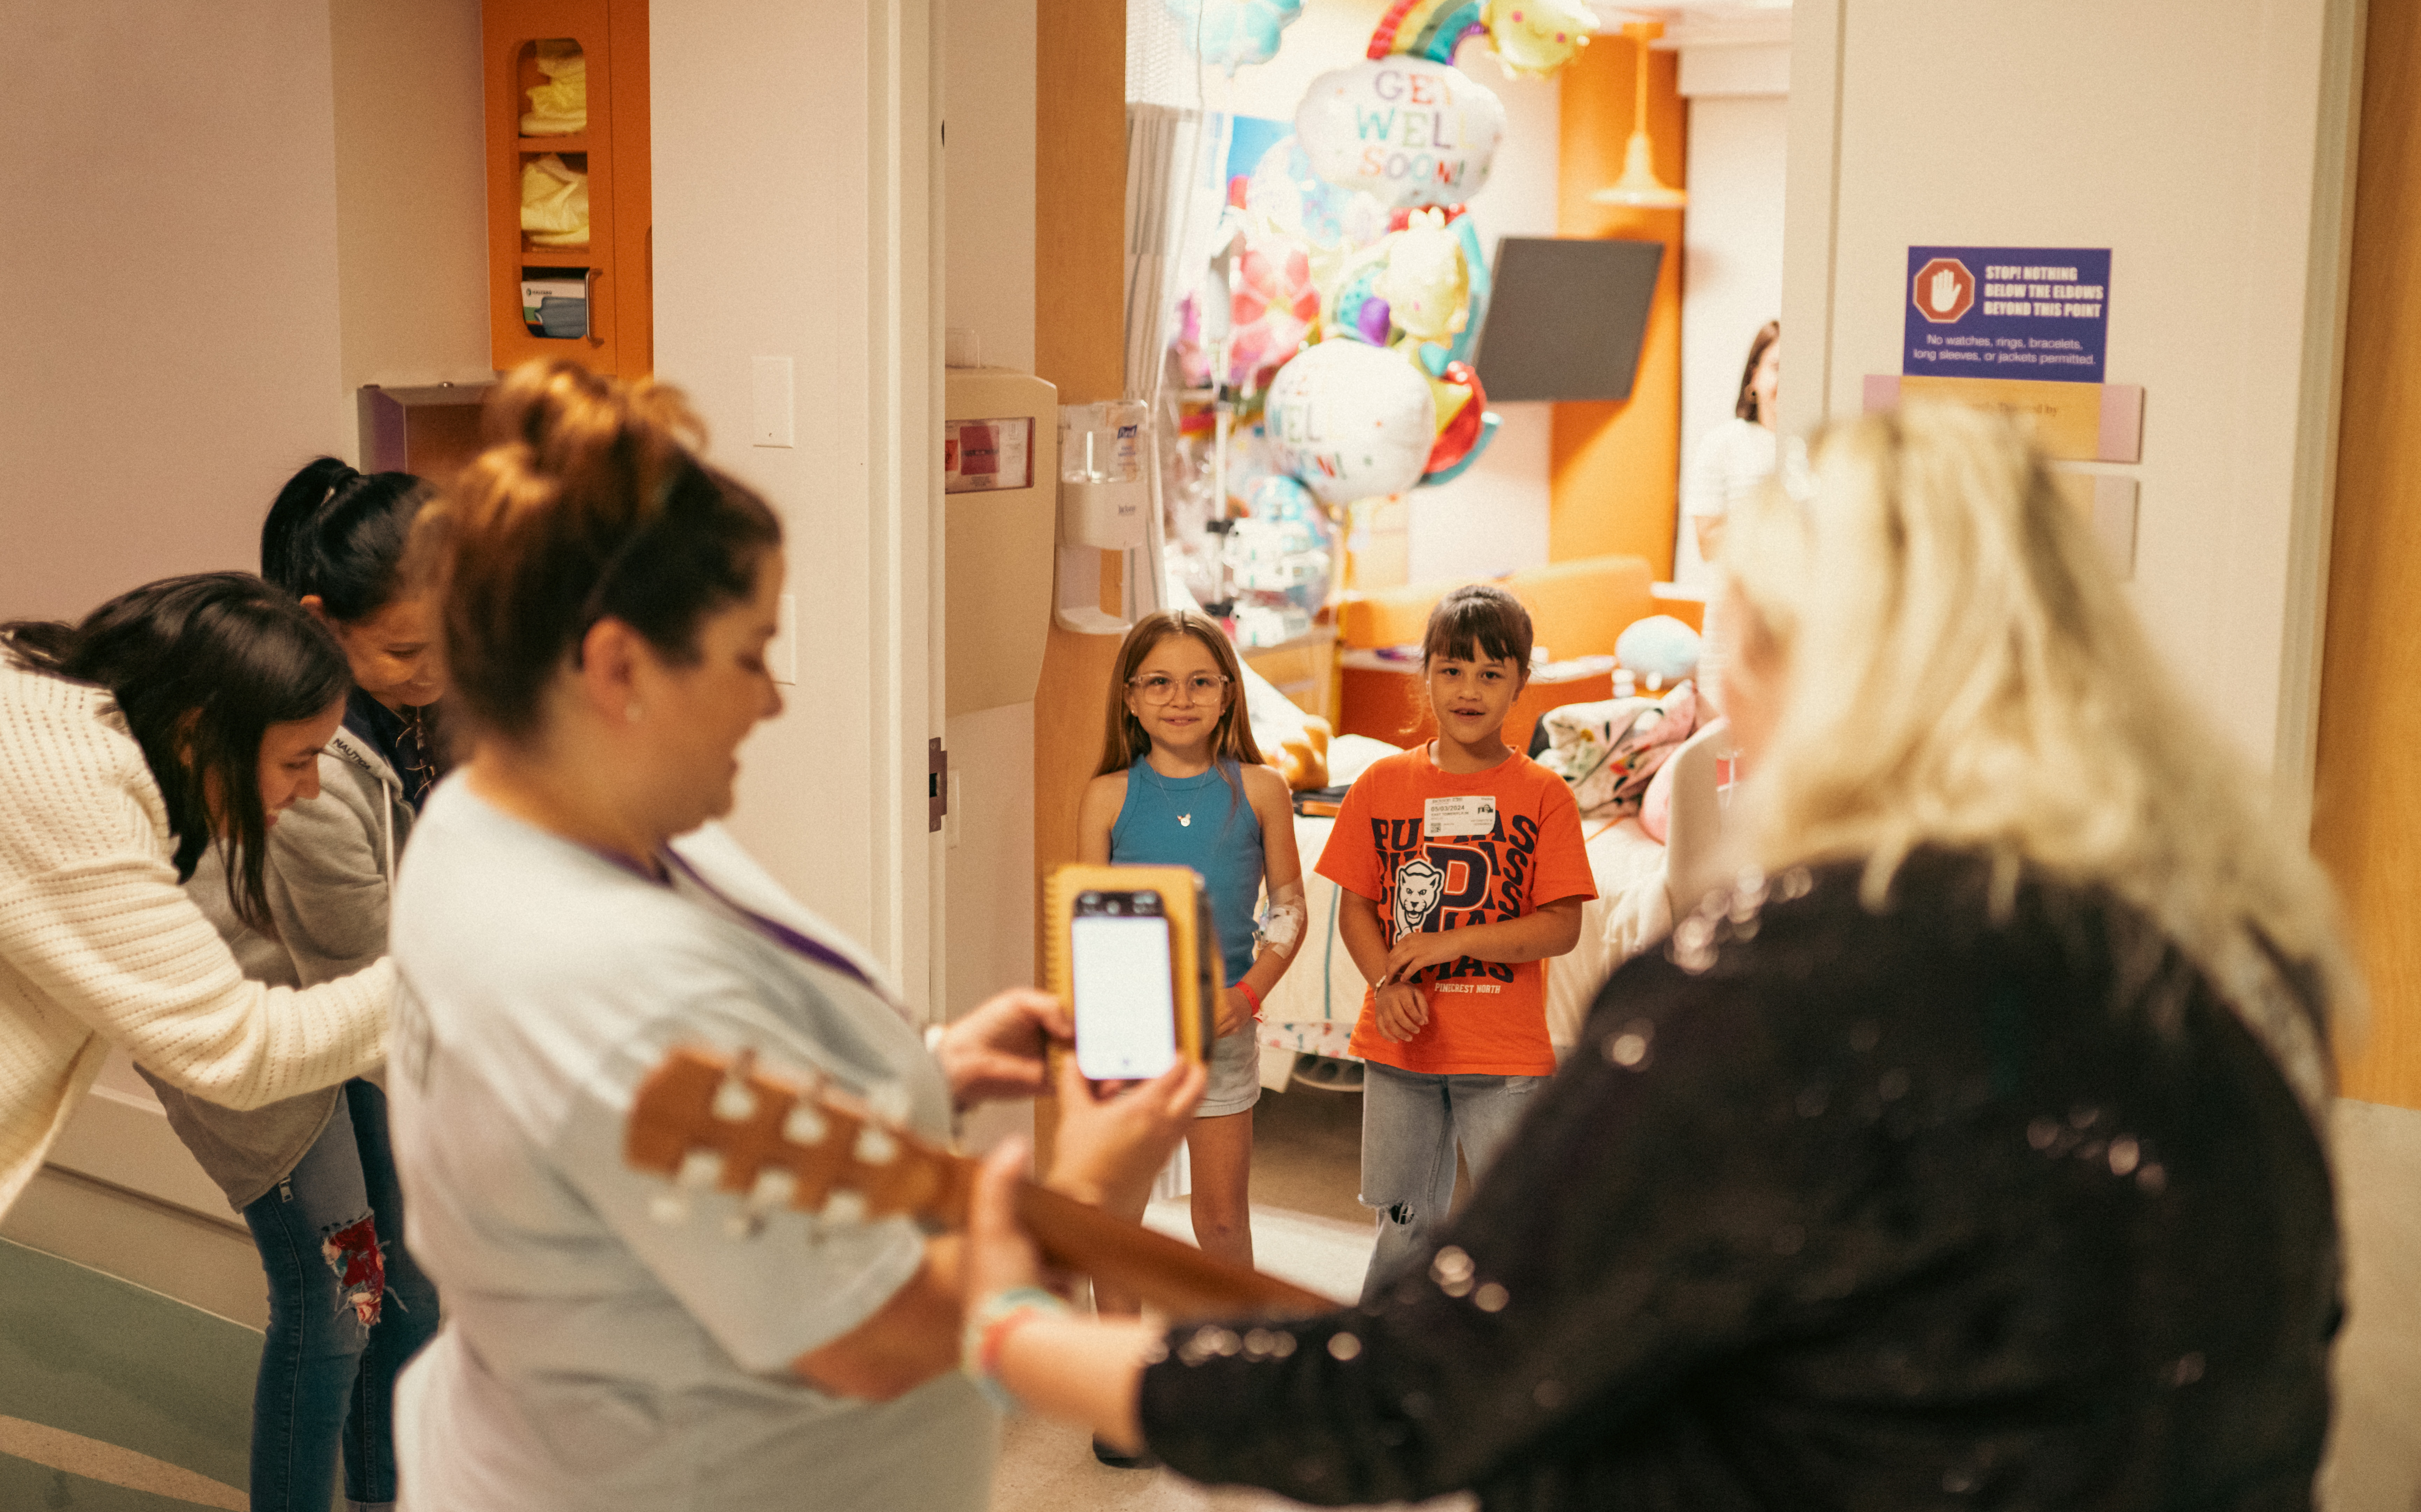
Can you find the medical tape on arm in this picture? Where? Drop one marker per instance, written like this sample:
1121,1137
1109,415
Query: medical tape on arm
1282,921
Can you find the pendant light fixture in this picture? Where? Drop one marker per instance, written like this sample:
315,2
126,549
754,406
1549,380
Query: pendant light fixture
1639,188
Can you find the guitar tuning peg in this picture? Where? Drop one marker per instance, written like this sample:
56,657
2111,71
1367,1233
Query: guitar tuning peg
876,1147
845,1206
774,1188
735,1102
806,1125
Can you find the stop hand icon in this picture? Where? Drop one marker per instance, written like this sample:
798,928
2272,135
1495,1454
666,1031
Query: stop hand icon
1945,292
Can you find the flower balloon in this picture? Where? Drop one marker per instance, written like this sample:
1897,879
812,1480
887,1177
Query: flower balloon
1272,306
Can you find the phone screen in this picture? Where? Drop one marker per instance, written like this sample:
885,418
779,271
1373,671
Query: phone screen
1126,1015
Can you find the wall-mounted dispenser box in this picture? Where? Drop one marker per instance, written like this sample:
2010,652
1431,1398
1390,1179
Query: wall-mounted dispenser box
1105,504
556,303
999,460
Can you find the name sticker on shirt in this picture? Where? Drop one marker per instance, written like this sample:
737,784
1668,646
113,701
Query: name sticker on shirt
1443,818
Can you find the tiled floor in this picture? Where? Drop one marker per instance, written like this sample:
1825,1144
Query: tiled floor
54,1330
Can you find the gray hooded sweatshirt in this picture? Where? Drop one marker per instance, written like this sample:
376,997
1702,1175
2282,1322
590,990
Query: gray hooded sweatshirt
330,873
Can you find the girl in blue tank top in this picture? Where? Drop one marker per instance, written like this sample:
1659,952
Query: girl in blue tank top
1183,784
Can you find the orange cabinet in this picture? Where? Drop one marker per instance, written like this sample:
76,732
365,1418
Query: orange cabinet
603,314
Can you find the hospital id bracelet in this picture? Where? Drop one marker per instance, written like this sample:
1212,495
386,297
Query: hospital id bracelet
1250,996
988,1329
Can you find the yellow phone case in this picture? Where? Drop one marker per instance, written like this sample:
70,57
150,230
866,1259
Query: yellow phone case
1192,940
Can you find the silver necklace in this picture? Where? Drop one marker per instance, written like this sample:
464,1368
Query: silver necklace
1183,820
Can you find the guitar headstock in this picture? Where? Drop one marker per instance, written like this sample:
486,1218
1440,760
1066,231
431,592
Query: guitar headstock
722,1122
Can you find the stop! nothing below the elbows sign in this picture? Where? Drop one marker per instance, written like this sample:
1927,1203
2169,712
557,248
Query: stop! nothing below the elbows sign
2039,313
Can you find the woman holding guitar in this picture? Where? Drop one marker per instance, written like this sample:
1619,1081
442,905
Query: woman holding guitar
570,914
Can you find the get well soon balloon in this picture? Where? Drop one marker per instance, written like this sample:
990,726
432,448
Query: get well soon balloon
1405,129
1352,422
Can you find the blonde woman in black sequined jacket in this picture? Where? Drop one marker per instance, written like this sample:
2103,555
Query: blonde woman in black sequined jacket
1967,1152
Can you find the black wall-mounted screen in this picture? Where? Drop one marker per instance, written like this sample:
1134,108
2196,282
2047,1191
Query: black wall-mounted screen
1565,318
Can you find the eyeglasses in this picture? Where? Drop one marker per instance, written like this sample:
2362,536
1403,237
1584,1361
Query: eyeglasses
1159,687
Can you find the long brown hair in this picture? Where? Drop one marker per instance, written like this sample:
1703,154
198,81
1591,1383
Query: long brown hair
1746,406
589,501
199,668
1124,738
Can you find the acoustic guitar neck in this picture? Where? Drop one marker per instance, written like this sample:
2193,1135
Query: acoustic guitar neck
711,1123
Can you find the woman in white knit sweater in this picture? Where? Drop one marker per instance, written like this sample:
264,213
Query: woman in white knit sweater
176,718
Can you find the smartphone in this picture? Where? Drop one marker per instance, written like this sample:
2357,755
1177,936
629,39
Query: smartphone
1126,1005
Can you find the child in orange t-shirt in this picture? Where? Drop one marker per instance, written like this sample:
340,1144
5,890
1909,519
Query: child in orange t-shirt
1461,869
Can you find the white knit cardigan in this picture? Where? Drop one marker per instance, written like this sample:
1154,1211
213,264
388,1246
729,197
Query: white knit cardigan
99,945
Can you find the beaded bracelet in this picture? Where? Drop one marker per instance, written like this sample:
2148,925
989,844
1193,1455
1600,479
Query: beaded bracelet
989,1326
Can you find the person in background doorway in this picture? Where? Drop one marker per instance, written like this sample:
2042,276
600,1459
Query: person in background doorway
570,914
1181,784
1731,462
312,1175
176,720
1461,869
1734,459
1968,1152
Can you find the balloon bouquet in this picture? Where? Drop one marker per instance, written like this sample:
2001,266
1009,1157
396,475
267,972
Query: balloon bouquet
1354,288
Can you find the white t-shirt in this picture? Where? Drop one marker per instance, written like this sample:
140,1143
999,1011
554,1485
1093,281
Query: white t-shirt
592,1358
1731,462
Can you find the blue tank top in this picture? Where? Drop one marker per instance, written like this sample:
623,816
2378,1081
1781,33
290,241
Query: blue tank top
1222,842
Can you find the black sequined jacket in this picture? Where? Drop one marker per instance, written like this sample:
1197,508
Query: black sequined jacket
1841,1208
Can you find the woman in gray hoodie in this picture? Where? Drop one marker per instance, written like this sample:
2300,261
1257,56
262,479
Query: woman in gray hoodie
313,1175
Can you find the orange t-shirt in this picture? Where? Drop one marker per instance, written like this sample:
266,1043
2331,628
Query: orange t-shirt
1409,837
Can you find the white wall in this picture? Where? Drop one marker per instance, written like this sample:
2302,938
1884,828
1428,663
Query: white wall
1731,270
790,142
988,98
2205,145
988,175
412,211
168,263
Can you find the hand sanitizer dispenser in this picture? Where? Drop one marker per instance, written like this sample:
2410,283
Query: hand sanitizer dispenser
1106,505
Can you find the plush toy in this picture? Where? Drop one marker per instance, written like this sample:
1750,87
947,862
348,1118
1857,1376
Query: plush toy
1660,647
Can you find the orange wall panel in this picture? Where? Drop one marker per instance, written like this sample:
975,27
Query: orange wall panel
1616,466
2366,807
1080,154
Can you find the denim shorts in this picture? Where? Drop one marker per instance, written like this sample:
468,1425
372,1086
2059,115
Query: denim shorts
1235,1075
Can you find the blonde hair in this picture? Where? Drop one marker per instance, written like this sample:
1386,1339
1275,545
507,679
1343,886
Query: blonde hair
1968,673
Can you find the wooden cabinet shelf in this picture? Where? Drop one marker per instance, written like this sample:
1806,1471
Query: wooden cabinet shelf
611,36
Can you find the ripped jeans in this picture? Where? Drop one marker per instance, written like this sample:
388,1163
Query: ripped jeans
1411,1123
347,1308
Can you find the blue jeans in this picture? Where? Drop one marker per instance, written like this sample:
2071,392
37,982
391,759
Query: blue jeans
338,1330
1411,1123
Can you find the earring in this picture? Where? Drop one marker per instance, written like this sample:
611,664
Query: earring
631,713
